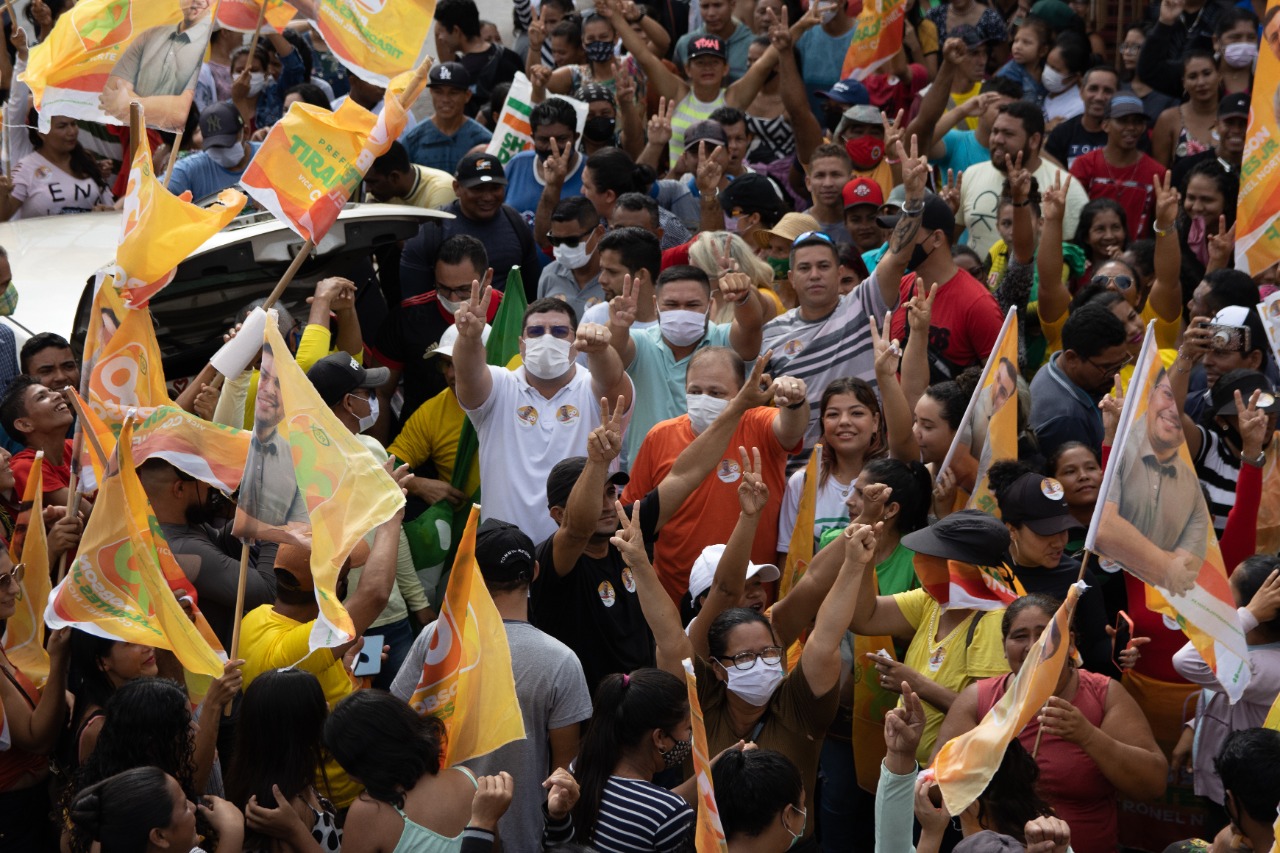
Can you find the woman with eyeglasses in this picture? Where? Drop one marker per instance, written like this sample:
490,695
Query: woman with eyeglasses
33,719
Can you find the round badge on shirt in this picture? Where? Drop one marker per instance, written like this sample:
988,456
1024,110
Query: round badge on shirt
607,595
527,416
567,414
628,580
728,471
935,660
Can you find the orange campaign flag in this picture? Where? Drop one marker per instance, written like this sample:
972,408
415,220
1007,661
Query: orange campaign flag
1258,211
801,553
160,229
376,39
709,837
117,587
965,764
127,371
24,631
1152,521
877,36
467,681
312,159
104,54
242,15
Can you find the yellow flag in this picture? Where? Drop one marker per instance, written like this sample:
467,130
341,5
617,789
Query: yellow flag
467,680
801,553
160,229
128,372
376,39
242,15
24,632
103,54
1258,218
994,413
310,482
710,831
965,764
116,588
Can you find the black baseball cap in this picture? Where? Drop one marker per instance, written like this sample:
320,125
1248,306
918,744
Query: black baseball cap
1038,502
937,216
752,193
591,92
337,375
704,131
707,45
565,474
968,535
504,552
453,74
1235,104
477,169
220,125
1222,398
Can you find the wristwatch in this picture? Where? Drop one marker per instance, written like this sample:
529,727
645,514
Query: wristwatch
1255,461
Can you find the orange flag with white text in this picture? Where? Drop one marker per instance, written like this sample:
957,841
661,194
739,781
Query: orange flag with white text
1258,211
877,36
467,681
24,631
709,837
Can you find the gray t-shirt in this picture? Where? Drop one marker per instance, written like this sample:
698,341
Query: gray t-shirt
552,693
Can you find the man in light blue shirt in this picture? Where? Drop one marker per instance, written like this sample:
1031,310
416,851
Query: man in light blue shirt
225,155
441,141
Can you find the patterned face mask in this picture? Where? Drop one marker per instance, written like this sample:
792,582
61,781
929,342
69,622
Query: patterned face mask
8,300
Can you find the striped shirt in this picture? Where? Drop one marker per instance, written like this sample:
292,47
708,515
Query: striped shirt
641,817
1218,468
687,112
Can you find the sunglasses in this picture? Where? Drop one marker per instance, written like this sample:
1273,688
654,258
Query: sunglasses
570,242
15,576
1123,282
812,235
561,332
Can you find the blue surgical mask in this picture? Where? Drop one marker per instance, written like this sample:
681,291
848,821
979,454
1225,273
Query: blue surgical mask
796,836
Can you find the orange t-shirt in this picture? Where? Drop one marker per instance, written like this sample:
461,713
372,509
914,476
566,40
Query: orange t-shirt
710,513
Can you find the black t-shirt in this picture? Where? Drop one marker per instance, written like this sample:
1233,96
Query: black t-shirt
1182,166
507,239
1090,621
1070,140
594,609
488,70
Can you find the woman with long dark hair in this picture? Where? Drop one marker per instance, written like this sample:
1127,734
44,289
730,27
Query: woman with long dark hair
98,668
57,177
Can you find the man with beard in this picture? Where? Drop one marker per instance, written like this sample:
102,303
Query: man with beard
1233,124
200,538
1119,170
1018,128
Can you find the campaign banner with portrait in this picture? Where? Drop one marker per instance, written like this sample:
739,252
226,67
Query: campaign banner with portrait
1153,522
513,133
877,36
375,39
1258,213
104,54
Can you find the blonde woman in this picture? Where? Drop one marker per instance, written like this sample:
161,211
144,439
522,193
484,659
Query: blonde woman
717,252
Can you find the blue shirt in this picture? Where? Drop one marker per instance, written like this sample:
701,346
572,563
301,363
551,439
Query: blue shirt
427,146
1061,411
524,187
198,173
823,57
963,150
1032,89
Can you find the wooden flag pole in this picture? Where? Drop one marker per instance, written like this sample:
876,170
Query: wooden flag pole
1084,564
257,31
173,156
307,246
234,651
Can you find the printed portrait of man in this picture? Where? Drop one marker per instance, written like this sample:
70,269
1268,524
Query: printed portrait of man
159,69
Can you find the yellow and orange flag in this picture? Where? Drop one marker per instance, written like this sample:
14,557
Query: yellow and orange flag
242,15
1153,522
1258,212
308,481
118,586
877,36
709,837
24,632
801,553
467,681
965,764
376,39
104,54
160,229
313,159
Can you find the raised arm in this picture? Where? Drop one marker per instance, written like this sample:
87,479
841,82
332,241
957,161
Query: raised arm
630,110
893,403
673,646
804,124
608,376
379,573
888,273
655,146
554,171
582,510
1054,295
934,102
820,659
473,383
665,83
1165,297
622,315
35,730
874,615
737,290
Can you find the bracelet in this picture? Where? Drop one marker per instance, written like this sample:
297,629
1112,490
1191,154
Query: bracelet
744,300
795,406
1022,203
1162,232
1255,461
914,211
637,19
891,161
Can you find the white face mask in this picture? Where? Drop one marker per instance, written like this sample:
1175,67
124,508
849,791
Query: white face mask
257,82
448,304
573,257
1053,81
546,357
682,328
755,686
366,422
1240,55
703,409
228,158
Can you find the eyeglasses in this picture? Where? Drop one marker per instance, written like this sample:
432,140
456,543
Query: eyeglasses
1123,282
561,332
1109,369
564,142
812,235
14,575
1130,48
746,660
455,294
570,242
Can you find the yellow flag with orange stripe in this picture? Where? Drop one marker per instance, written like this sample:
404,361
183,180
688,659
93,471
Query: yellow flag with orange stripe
709,837
801,553
242,15
467,681
994,413
376,39
24,631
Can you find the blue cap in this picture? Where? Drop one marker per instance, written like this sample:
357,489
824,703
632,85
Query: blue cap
848,91
1125,104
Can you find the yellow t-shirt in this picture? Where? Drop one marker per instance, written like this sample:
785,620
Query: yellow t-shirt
955,663
431,188
269,640
959,98
431,434
1165,331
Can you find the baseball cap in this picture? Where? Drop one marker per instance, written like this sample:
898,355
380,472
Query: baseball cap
1235,104
704,570
707,45
1058,15
449,74
860,191
864,114
293,564
704,131
220,125
968,535
752,193
897,197
589,92
1039,502
477,169
337,375
789,227
1125,104
566,472
504,552
937,216
1223,398
969,34
450,337
847,91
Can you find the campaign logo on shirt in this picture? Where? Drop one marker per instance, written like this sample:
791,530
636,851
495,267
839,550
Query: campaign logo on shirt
628,580
728,471
43,172
936,659
792,347
567,414
607,595
527,415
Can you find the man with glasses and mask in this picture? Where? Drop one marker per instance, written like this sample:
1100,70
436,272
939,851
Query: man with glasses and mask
576,231
529,418
1065,392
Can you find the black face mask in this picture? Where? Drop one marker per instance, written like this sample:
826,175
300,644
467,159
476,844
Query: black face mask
542,154
918,256
204,512
600,128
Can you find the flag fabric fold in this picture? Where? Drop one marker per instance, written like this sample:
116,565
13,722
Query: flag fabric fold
958,585
375,39
709,836
992,415
877,36
24,631
242,15
467,680
801,553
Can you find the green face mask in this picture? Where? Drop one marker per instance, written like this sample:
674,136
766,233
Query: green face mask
8,300
781,266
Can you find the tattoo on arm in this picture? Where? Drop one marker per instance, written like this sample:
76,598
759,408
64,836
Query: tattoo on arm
904,233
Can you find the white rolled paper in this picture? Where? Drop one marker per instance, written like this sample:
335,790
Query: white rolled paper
236,353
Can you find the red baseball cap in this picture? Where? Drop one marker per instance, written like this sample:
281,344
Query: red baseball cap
861,191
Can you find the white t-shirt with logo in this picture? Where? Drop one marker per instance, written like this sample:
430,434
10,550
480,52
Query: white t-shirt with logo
46,190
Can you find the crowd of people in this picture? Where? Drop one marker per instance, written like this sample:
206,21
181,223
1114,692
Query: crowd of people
740,258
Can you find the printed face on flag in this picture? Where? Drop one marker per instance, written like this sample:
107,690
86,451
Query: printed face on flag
162,62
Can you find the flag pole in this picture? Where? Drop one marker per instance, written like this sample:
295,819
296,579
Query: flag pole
1084,564
257,31
173,156
244,574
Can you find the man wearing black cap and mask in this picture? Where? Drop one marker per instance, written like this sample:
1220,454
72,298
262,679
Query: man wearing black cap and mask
549,684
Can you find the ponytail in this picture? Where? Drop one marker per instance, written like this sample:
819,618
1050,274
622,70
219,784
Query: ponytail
119,812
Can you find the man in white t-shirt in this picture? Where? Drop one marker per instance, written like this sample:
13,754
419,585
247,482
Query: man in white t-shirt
529,419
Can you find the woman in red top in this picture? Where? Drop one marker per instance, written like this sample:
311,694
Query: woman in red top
1090,740
31,722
